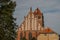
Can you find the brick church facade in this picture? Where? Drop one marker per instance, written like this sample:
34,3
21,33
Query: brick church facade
33,27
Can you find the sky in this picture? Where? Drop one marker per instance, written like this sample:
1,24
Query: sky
49,8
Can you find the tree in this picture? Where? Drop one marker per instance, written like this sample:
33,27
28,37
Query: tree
7,21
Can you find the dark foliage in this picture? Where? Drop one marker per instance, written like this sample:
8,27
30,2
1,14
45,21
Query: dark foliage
7,21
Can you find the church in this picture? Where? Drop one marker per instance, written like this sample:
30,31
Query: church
32,28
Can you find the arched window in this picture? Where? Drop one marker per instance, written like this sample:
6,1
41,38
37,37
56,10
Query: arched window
21,36
30,35
34,38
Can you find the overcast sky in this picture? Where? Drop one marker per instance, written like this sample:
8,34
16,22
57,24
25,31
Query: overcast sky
50,9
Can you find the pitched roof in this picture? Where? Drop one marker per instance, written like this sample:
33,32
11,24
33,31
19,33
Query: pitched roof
37,12
48,30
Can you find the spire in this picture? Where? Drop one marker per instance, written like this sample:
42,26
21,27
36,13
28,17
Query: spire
30,8
42,20
37,9
37,12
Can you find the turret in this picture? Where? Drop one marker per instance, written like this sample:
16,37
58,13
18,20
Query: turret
39,15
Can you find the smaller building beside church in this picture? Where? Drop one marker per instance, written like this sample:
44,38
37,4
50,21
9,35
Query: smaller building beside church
48,36
32,28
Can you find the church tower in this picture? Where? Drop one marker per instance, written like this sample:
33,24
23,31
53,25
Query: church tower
40,18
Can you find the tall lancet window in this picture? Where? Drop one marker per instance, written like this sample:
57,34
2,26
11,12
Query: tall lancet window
30,36
21,36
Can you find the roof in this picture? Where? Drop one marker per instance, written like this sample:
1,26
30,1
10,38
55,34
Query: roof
48,30
37,12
